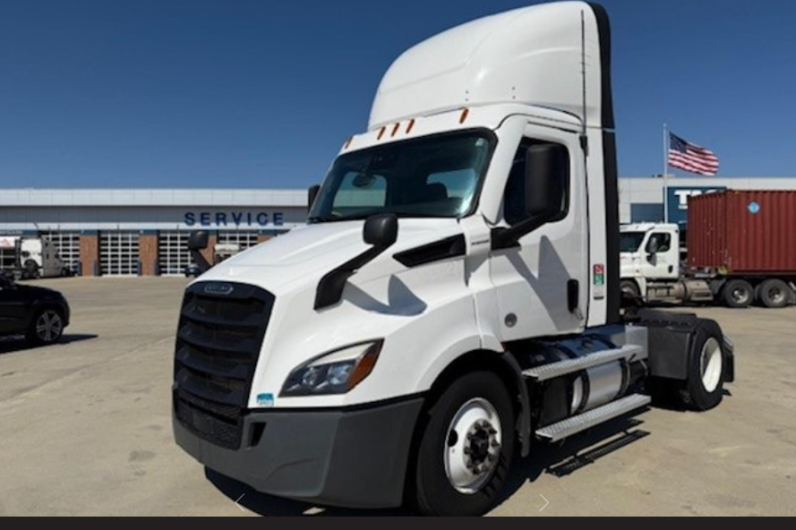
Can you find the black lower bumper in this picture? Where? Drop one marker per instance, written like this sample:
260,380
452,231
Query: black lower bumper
355,458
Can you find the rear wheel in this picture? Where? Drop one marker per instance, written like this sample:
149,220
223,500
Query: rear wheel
774,294
47,327
738,294
704,388
465,448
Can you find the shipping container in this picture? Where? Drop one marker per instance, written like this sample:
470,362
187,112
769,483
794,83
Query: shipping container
749,232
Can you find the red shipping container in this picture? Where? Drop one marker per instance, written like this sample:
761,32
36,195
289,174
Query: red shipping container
743,232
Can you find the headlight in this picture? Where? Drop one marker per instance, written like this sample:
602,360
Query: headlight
335,372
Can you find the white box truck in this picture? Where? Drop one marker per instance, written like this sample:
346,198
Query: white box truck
455,297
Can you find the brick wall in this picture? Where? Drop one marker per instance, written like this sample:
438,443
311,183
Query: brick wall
148,253
89,255
211,245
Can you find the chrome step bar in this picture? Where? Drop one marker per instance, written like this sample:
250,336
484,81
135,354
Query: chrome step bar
551,371
576,424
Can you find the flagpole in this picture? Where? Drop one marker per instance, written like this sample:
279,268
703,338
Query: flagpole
665,174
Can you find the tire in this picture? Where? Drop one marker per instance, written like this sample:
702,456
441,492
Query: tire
473,416
47,327
704,387
630,288
774,294
31,270
738,294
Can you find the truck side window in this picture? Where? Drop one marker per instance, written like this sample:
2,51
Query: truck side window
514,209
664,242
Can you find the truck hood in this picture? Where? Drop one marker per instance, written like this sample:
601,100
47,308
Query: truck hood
307,253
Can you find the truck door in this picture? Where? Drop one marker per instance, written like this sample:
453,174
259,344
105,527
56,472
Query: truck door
661,256
542,283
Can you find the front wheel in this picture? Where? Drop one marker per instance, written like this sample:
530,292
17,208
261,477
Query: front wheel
47,327
630,288
466,448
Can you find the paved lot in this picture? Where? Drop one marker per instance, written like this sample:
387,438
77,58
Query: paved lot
86,429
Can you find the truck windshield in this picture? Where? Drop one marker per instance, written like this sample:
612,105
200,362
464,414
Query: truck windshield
436,176
631,241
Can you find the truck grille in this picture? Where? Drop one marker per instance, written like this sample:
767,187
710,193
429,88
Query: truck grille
221,330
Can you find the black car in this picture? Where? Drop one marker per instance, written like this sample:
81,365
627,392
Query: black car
192,271
40,314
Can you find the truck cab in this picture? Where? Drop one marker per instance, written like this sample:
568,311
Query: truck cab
455,296
649,253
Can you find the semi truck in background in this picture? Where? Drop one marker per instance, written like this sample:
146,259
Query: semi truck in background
30,258
740,252
455,298
221,252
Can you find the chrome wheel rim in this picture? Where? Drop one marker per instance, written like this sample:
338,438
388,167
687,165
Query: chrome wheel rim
472,447
740,295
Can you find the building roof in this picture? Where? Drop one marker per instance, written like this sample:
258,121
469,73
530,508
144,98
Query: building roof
152,197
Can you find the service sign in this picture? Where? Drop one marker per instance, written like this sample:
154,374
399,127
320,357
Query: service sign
234,219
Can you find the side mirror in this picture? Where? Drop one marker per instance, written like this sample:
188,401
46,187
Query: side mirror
381,231
312,194
653,246
198,240
546,178
544,188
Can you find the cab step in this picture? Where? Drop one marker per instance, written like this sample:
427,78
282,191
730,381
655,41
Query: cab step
587,420
551,371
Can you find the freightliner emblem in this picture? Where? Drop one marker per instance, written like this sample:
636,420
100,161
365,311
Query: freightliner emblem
219,288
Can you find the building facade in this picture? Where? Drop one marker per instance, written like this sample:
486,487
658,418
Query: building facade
145,232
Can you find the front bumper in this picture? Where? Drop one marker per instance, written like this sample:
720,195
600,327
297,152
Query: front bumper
354,458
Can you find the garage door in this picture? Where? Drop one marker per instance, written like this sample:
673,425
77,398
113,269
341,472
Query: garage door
8,258
173,253
119,253
244,240
68,245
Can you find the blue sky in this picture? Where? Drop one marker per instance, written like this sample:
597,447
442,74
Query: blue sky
254,93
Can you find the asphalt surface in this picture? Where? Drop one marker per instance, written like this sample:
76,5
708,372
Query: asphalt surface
86,429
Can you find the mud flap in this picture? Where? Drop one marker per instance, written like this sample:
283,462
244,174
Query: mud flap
670,341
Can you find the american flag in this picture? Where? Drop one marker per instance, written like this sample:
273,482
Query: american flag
692,158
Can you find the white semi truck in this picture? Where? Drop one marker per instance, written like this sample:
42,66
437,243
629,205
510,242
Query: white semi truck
652,265
653,269
455,297
31,257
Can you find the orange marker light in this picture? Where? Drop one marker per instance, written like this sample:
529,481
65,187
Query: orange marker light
465,114
395,129
381,133
410,126
348,143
